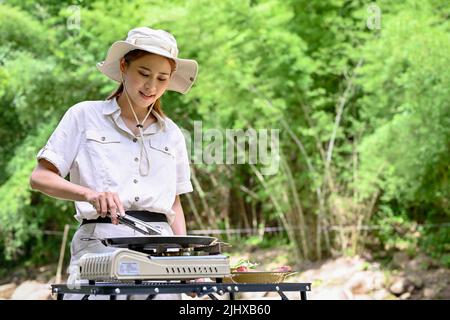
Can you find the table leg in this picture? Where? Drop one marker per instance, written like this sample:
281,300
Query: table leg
303,295
282,295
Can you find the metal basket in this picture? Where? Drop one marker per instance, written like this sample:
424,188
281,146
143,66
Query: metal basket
257,277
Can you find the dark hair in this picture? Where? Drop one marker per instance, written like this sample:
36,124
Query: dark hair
134,55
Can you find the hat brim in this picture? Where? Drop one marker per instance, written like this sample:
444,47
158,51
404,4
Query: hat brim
181,80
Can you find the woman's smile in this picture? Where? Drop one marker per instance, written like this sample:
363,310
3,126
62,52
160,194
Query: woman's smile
146,97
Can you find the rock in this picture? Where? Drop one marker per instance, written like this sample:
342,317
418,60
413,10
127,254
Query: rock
381,294
415,280
360,283
398,286
420,262
367,256
32,290
339,271
379,281
405,296
7,290
366,281
400,259
430,293
410,287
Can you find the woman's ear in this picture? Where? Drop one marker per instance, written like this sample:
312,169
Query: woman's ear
122,65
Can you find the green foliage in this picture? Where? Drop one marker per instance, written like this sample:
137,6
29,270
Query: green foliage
19,31
436,242
406,152
397,231
268,241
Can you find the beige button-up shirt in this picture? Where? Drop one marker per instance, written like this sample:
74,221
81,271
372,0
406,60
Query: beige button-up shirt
93,144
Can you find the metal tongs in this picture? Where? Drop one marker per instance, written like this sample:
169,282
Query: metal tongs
138,225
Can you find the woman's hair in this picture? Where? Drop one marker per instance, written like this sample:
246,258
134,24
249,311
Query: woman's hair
134,55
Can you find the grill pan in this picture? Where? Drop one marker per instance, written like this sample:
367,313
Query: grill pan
150,242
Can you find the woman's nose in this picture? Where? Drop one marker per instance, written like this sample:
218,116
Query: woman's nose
150,84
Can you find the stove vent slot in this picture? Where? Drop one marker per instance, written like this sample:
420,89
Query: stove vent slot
190,270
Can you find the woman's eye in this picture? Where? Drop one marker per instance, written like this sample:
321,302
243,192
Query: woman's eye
146,76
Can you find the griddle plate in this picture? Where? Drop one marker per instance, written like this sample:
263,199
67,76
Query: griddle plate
149,242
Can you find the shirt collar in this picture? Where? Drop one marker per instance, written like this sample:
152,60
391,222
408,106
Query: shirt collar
112,107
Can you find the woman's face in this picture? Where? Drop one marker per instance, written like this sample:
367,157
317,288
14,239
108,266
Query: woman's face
146,78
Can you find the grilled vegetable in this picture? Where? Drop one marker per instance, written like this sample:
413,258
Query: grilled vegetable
243,266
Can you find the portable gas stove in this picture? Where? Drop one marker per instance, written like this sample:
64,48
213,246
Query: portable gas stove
156,264
156,258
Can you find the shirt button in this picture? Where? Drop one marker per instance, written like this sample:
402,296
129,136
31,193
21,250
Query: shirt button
135,181
134,139
167,149
103,138
136,198
136,159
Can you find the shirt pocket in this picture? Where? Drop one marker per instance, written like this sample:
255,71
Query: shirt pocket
103,148
102,137
163,159
162,148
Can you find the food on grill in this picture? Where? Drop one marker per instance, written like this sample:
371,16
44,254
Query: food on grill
247,266
242,269
244,272
243,266
283,269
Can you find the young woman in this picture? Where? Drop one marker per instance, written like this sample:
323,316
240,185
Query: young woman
123,153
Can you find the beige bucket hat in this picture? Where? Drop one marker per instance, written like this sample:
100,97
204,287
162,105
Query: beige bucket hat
155,41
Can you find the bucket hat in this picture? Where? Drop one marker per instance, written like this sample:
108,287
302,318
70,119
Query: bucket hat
156,41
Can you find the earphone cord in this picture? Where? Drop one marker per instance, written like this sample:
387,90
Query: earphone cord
140,126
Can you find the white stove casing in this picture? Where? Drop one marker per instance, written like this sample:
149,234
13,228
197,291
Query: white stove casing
126,264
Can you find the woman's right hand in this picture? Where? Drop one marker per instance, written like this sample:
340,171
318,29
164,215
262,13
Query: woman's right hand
106,202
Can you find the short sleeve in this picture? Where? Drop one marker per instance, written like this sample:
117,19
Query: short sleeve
62,146
183,173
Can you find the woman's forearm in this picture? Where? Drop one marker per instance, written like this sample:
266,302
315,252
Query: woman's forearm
52,184
179,224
